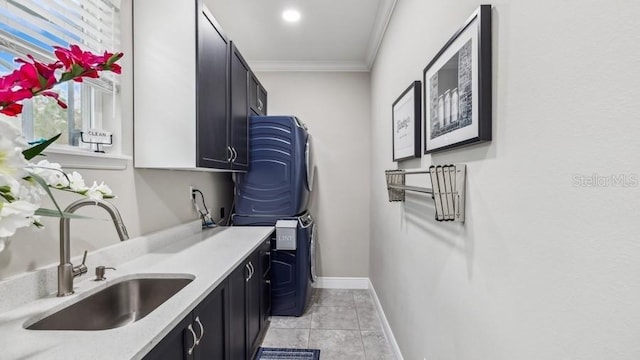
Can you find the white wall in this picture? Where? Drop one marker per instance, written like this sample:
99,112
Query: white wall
542,269
148,200
336,108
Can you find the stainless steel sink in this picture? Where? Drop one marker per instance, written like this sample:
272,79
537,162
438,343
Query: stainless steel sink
117,305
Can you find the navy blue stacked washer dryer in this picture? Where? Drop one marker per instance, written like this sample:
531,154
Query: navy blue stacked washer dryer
277,187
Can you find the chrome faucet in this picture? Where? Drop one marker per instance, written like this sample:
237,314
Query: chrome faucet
66,270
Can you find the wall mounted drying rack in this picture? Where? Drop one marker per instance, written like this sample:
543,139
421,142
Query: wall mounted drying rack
447,189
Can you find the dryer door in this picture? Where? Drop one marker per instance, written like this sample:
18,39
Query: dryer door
310,163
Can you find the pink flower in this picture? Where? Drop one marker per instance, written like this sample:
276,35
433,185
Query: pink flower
42,74
11,109
36,78
56,96
74,56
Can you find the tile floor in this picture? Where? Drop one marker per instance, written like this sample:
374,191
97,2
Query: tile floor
343,324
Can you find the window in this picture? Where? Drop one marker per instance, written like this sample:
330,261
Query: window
34,27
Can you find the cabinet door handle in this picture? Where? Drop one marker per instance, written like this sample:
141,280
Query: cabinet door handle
201,330
267,281
246,279
234,154
268,253
259,104
253,270
230,152
190,328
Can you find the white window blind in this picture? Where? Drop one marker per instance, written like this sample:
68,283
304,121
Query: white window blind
35,26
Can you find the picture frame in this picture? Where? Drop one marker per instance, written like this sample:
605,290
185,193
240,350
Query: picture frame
406,119
457,87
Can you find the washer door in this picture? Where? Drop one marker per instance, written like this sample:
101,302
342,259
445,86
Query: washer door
312,253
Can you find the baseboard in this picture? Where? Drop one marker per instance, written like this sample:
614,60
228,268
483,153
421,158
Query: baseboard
385,324
341,283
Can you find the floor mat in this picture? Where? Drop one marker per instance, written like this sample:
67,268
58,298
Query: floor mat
287,354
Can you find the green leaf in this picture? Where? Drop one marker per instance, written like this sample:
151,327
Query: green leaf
7,197
34,151
76,70
44,185
115,57
65,77
43,81
56,213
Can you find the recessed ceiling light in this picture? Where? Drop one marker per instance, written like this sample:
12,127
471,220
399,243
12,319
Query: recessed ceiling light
291,15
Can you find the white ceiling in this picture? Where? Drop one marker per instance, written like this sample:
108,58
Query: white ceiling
332,35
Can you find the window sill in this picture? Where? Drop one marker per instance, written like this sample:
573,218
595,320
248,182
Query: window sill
74,158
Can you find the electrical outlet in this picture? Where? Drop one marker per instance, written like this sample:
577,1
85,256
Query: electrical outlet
191,194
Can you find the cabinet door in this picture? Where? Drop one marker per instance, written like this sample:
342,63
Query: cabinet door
175,345
254,293
257,96
237,310
239,117
212,96
209,323
254,84
262,100
265,298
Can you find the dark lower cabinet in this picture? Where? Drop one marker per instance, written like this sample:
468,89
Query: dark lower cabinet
254,293
174,345
201,335
265,265
237,309
245,285
229,323
210,321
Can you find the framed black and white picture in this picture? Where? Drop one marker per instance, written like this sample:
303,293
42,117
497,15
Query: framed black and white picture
406,120
457,87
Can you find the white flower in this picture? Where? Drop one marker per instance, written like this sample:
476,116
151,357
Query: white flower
31,191
14,215
12,162
20,193
99,191
11,184
76,183
51,173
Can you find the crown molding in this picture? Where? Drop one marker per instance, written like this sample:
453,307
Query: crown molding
383,16
328,66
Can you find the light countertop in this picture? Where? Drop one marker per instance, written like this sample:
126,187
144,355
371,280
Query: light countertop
208,255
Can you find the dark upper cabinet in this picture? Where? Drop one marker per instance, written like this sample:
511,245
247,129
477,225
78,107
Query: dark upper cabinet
212,97
205,125
239,115
257,96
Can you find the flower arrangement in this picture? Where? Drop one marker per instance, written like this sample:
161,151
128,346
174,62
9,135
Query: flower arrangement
23,183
